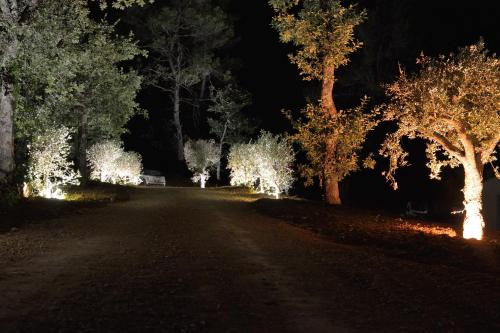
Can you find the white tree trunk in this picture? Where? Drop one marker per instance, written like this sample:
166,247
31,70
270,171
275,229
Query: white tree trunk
202,181
473,204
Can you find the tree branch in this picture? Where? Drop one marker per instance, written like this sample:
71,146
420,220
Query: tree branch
448,146
490,148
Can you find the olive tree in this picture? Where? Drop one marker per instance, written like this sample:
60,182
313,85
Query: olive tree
453,104
49,166
323,33
201,156
265,165
109,163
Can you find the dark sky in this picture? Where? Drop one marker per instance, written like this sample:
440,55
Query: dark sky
434,27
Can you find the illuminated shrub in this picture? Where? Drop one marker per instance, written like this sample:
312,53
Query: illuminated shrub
241,162
129,168
201,156
48,165
265,164
109,163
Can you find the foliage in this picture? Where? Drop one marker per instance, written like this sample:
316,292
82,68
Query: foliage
48,166
226,121
323,33
348,127
129,168
183,38
243,166
201,156
453,103
267,162
109,163
322,30
69,65
122,4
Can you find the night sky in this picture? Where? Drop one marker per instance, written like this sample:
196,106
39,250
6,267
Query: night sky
401,29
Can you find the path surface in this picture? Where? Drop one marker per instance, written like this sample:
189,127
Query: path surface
186,260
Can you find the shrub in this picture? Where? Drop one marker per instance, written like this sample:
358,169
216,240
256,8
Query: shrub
109,163
266,164
49,166
129,168
201,156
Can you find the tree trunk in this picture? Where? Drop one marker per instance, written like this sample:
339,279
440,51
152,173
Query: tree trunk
82,146
197,104
473,204
7,157
332,193
218,165
177,124
7,162
221,145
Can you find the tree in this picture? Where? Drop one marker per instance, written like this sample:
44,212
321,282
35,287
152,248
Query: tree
348,127
453,104
180,59
227,122
14,14
77,81
109,163
49,166
274,158
201,156
323,33
242,165
267,163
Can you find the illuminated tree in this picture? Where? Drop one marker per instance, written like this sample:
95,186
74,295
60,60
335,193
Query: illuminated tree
265,165
274,158
226,120
242,164
348,127
109,163
129,168
102,158
453,104
323,33
201,156
180,34
49,166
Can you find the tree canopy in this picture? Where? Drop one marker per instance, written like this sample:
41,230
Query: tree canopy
453,103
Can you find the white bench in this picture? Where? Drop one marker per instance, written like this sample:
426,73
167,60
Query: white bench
153,180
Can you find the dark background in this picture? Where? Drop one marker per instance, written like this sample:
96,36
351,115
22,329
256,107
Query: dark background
395,33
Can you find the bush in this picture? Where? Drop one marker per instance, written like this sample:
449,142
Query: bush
265,164
201,156
49,167
109,163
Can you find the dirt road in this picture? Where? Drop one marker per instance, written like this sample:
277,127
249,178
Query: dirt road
186,260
